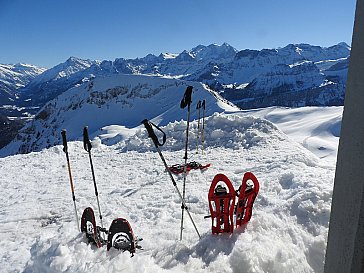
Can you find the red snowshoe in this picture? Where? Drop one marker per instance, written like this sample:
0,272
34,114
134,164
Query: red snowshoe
246,193
221,203
179,168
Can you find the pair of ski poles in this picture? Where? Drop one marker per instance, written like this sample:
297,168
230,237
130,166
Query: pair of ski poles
87,146
200,104
185,102
148,125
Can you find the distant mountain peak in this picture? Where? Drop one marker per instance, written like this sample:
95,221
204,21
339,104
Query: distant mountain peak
345,45
167,55
213,51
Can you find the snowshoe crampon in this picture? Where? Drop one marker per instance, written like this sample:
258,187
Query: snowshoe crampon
221,204
121,236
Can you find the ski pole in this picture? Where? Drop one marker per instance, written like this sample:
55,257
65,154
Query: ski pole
198,107
148,125
203,105
186,101
65,149
87,145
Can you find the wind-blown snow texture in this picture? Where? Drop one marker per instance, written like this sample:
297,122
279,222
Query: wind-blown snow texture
287,233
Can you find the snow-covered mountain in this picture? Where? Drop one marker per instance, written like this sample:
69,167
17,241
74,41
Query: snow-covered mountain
123,100
295,75
222,67
54,81
14,77
295,85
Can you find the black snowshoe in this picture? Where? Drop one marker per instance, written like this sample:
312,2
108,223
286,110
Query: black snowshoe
92,232
121,236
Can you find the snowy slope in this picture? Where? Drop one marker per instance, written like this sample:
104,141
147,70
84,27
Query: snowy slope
13,77
287,233
54,81
123,100
315,128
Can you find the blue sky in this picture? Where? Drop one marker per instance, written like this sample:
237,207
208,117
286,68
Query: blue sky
47,32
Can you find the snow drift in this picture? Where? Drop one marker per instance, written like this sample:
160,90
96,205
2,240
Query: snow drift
287,233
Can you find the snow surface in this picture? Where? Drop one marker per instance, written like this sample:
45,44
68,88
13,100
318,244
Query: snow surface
287,233
316,128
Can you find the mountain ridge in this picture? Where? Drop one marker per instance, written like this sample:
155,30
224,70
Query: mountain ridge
293,76
215,65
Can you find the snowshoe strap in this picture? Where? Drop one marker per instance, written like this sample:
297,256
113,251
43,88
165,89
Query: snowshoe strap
187,97
148,125
220,190
194,165
86,141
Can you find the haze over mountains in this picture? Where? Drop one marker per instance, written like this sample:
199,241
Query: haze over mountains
295,75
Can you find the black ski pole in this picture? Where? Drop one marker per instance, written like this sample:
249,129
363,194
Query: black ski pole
203,106
65,149
186,101
198,107
87,145
148,125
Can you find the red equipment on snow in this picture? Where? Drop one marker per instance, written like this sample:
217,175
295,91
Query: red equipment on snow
179,168
247,195
221,203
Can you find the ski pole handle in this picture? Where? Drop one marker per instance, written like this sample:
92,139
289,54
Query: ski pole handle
63,133
150,131
198,106
86,141
148,125
203,105
187,97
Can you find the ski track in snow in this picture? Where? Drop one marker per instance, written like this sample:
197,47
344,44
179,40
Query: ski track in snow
287,233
